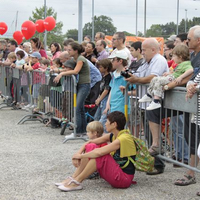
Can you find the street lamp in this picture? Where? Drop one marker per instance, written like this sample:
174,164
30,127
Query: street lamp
177,17
185,20
92,20
145,16
80,21
136,21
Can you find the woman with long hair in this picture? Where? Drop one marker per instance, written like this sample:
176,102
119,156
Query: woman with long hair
83,86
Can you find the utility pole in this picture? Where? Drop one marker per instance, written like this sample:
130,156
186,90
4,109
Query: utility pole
45,32
92,20
80,21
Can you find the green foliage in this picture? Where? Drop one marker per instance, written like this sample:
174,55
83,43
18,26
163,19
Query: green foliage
128,34
52,36
160,30
101,24
154,31
72,33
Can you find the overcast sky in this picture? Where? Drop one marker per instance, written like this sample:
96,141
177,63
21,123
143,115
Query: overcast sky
121,11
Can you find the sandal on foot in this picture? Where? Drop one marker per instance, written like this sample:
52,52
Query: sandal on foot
153,150
63,182
198,193
68,189
187,180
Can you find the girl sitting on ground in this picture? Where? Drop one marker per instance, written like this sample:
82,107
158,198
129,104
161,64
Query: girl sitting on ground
94,130
181,56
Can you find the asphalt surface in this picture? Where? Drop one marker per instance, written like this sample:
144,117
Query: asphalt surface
33,158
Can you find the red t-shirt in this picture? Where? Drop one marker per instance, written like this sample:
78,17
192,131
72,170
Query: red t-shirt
37,76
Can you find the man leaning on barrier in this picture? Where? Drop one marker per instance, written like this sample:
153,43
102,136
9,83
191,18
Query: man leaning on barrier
194,44
155,65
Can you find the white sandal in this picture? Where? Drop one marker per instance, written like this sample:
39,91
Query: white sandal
66,189
61,183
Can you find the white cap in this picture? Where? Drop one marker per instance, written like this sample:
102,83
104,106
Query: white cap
172,38
119,54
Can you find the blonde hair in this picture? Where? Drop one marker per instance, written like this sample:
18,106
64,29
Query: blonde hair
182,51
95,126
12,55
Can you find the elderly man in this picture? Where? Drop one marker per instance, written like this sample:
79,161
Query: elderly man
118,41
194,44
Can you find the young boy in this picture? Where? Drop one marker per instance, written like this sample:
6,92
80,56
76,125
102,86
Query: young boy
105,67
116,98
181,56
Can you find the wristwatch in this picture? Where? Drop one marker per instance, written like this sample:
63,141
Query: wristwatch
166,87
198,88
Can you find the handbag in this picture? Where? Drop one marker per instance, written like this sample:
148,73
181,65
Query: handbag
51,81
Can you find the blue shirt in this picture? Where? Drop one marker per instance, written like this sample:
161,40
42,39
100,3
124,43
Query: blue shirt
95,75
117,98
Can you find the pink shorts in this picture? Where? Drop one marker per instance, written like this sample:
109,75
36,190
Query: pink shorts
110,171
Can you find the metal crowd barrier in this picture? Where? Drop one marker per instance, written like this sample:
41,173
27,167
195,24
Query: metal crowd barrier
174,107
44,102
5,81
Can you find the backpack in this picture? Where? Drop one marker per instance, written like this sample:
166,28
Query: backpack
143,161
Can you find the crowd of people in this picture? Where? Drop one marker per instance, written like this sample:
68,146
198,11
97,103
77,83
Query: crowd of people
102,75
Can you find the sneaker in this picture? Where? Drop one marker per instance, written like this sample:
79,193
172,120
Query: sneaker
69,136
145,98
28,106
153,106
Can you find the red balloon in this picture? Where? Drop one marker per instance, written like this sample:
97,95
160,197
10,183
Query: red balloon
39,24
3,28
49,23
18,36
28,29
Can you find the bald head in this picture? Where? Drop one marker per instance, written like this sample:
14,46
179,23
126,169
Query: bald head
152,43
150,47
64,56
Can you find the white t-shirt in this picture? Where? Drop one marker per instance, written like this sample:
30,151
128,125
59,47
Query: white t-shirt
157,66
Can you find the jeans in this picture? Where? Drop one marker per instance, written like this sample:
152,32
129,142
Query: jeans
181,137
83,91
99,116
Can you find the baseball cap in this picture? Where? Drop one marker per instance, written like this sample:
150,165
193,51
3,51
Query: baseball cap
172,38
35,55
70,63
119,54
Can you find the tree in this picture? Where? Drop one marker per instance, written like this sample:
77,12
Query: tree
128,34
72,33
52,36
101,24
154,31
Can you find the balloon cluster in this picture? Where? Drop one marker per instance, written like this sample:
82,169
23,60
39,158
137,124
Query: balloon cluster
29,28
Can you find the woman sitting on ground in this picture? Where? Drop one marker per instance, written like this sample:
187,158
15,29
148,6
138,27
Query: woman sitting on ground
110,161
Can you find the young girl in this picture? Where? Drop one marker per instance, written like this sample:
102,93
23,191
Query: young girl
105,67
181,56
94,130
56,92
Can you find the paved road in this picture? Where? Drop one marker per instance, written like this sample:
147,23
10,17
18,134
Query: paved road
33,157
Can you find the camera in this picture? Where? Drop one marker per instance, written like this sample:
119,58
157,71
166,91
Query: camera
125,73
